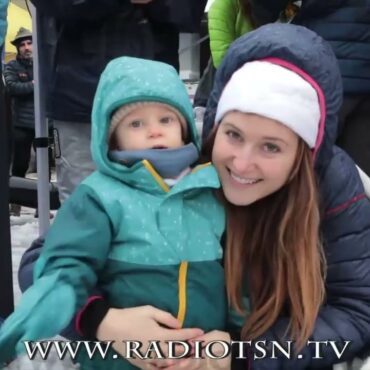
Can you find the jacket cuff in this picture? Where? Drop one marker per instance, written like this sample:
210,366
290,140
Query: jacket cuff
90,316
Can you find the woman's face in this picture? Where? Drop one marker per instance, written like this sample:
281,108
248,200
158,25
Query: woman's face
253,155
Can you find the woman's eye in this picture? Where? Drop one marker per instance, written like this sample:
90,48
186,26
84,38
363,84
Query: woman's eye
271,148
233,135
136,124
166,119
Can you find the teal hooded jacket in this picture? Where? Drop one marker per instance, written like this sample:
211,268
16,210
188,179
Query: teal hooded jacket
124,229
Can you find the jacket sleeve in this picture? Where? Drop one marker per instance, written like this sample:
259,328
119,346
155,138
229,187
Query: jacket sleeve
345,316
75,251
12,83
222,17
25,280
90,10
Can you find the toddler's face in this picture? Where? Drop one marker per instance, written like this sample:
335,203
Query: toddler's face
149,127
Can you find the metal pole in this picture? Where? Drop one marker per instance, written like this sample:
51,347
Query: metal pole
41,130
6,271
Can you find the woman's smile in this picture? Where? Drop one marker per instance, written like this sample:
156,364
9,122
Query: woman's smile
240,180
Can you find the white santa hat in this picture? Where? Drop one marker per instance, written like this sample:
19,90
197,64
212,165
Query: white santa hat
273,91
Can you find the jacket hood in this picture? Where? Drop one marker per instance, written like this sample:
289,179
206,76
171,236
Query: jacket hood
300,50
127,80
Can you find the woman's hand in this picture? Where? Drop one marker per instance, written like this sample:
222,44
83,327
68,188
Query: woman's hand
143,324
206,363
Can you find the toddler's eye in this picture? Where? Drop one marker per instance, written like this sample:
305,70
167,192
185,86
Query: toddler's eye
136,124
167,119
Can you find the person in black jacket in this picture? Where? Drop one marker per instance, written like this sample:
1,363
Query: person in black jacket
19,83
6,304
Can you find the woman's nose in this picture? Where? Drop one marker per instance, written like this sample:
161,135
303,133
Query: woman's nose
244,161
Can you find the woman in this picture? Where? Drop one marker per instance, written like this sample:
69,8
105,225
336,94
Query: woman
298,237
283,285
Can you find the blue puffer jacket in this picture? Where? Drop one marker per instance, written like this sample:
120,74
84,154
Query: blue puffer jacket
346,211
344,23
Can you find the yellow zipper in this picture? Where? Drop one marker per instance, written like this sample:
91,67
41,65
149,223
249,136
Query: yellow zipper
200,166
156,176
183,269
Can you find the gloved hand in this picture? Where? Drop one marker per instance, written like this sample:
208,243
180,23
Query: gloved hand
45,309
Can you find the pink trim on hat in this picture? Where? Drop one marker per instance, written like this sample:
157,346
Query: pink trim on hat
317,88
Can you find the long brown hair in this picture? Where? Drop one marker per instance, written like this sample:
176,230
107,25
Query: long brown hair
274,245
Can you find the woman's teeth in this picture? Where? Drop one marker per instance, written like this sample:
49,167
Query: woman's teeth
243,180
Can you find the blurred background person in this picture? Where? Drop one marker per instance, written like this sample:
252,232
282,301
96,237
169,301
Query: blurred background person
227,20
6,304
18,75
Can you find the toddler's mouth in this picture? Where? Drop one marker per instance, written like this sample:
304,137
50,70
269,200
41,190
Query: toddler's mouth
159,147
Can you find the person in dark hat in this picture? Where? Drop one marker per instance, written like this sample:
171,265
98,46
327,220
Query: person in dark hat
6,304
22,42
18,75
